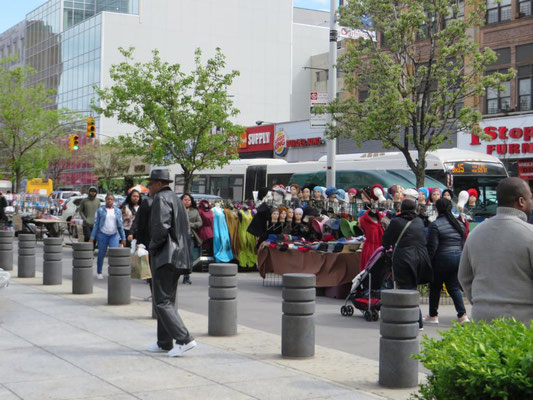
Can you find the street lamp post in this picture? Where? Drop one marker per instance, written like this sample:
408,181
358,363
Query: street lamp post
332,88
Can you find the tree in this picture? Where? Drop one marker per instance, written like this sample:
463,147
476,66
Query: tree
28,121
109,160
180,118
58,160
417,77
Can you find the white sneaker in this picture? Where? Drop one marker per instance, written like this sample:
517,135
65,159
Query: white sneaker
179,349
99,276
463,319
431,320
154,348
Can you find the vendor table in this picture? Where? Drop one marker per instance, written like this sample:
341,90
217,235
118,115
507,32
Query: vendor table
331,269
52,226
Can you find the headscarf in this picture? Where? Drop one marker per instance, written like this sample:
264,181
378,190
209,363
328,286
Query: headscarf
318,188
425,191
473,192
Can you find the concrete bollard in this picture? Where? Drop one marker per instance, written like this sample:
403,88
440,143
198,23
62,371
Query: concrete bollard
119,282
399,338
298,319
26,259
6,250
222,314
82,268
53,261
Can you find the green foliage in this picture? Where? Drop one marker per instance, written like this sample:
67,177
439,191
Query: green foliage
417,78
28,122
181,118
479,361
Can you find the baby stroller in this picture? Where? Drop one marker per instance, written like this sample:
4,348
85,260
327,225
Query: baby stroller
365,294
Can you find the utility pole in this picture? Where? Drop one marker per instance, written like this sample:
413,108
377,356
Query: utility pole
332,87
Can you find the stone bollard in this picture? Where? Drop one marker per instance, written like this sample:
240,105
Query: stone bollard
53,261
298,319
6,250
26,260
222,315
119,282
399,338
82,268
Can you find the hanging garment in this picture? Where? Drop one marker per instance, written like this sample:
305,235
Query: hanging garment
206,231
233,228
373,235
247,254
221,243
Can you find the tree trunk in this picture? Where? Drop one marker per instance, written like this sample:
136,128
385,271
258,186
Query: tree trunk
420,171
187,181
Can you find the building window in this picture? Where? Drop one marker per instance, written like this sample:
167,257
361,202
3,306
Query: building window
455,12
363,95
524,7
498,10
322,76
499,100
525,87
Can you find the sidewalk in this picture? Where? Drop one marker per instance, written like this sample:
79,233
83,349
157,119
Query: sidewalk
56,345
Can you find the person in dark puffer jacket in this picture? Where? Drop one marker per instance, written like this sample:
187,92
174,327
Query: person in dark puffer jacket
445,245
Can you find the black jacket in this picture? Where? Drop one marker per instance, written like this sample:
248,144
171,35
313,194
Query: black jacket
170,232
141,224
411,264
442,237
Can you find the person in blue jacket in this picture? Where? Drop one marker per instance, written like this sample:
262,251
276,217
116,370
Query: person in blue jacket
107,230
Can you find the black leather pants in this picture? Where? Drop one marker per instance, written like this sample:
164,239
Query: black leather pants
169,324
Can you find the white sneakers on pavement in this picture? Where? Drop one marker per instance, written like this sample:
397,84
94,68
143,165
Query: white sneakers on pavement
179,349
154,348
100,276
431,320
463,319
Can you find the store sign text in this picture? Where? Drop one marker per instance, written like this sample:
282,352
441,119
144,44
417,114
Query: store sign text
525,135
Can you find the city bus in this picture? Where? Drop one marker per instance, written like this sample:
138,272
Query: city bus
453,168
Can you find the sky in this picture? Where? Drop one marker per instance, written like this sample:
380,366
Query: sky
14,11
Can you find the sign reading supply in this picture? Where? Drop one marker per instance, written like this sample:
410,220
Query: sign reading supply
257,138
318,99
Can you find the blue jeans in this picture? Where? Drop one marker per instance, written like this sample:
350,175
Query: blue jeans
104,241
445,268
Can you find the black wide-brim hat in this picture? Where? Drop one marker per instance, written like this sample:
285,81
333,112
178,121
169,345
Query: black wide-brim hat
160,175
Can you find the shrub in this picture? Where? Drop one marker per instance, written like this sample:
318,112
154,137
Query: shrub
479,361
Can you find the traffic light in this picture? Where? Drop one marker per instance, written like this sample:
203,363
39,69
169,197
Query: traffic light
71,143
75,142
91,128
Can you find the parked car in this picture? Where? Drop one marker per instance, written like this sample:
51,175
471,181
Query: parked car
59,197
70,208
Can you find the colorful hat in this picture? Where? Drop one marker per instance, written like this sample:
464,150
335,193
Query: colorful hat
372,195
411,194
348,228
352,191
342,196
298,211
425,191
473,192
331,190
333,223
318,225
320,188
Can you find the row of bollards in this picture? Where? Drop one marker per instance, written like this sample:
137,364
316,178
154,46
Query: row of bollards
399,312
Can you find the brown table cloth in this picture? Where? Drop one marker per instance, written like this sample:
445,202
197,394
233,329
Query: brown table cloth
331,269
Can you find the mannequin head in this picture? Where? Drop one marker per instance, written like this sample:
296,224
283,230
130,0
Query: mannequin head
274,215
295,190
298,215
317,193
306,194
435,195
472,197
290,214
282,214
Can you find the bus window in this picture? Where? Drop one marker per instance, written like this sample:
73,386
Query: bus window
279,179
227,187
255,179
199,184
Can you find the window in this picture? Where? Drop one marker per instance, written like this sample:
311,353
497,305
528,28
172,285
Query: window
525,87
498,10
321,76
524,7
363,95
499,100
457,12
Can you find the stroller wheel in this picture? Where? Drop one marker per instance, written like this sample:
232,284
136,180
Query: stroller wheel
350,310
368,315
344,311
375,315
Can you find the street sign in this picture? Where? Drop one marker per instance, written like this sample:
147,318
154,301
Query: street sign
318,99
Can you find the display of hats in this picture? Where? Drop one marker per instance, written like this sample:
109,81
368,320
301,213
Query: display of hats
473,192
348,228
318,224
331,190
373,195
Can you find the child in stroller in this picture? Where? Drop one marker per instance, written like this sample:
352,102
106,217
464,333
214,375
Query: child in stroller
365,294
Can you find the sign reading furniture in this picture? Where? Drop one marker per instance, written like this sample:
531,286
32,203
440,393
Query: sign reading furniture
510,137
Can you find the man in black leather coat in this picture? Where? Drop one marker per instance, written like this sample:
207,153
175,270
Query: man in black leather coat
171,257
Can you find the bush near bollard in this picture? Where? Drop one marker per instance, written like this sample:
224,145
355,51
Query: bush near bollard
26,258
298,319
82,268
119,281
53,261
399,338
222,314
6,250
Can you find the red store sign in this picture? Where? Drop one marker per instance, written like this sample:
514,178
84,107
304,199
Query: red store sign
525,169
507,137
257,138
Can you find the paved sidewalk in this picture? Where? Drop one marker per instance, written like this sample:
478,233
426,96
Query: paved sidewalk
55,345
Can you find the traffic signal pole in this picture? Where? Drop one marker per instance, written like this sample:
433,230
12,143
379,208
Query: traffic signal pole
332,89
